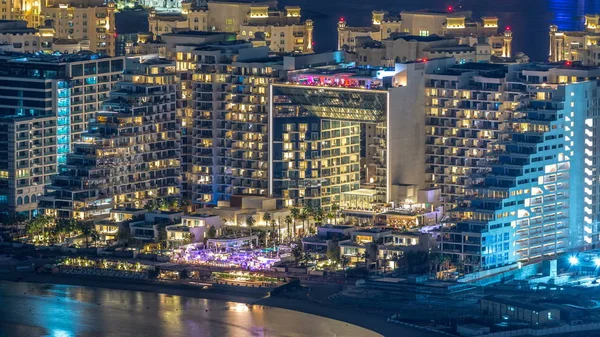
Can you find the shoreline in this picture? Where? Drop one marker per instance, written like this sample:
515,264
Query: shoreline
252,296
219,294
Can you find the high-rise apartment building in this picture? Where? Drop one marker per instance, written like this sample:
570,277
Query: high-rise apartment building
262,23
130,155
45,102
92,20
459,25
227,131
512,147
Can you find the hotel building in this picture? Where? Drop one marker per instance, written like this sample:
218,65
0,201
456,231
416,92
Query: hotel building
513,148
91,20
458,25
16,36
579,46
45,102
331,135
263,23
27,10
130,155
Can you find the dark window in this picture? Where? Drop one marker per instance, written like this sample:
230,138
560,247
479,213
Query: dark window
77,70
90,69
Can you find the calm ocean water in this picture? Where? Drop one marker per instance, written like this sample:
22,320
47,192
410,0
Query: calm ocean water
32,310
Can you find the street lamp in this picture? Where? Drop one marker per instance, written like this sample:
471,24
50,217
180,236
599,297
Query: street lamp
573,260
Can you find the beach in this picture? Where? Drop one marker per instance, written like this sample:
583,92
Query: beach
313,303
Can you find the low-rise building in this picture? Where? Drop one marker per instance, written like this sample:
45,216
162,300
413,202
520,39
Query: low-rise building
93,20
240,207
193,228
281,29
450,23
327,238
522,310
583,46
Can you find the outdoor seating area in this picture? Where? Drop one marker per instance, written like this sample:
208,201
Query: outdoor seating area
247,259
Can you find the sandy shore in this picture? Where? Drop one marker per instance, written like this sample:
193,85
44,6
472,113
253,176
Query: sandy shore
358,317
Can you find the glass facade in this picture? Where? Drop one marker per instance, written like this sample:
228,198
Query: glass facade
316,141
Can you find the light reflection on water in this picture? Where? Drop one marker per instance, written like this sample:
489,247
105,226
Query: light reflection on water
66,311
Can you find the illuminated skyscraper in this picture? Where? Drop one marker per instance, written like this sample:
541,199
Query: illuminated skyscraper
513,148
130,155
46,103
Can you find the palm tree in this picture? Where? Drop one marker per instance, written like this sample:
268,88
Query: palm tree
279,230
37,227
273,223
267,218
319,215
335,208
250,222
303,217
88,231
295,216
64,227
308,212
288,221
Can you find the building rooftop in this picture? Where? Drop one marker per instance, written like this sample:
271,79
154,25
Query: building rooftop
362,192
200,216
127,210
430,38
55,58
372,230
337,226
517,302
178,228
463,47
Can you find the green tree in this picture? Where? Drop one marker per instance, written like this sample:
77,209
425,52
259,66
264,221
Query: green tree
335,208
319,216
344,260
267,219
36,228
150,206
185,205
385,262
333,252
161,204
297,253
124,235
250,222
212,232
288,221
273,224
88,231
295,212
174,205
188,238
162,235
